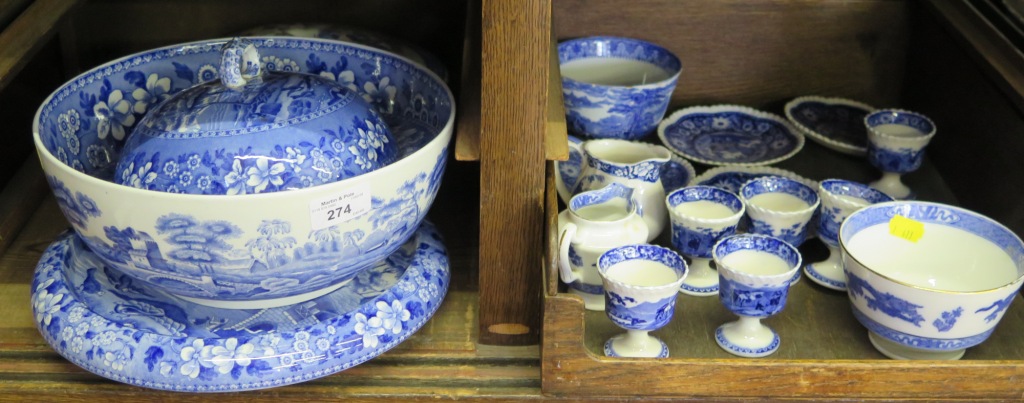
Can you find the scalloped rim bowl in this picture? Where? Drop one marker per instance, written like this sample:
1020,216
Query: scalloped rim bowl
248,251
823,139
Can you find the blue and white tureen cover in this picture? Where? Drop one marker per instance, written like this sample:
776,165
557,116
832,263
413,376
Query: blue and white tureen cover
254,121
125,330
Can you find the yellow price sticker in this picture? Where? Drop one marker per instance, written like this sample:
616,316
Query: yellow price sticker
906,228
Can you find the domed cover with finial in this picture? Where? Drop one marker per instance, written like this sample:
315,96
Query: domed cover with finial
255,131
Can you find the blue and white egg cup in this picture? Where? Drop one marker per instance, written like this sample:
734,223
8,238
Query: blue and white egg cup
839,199
896,142
786,219
640,283
753,286
695,229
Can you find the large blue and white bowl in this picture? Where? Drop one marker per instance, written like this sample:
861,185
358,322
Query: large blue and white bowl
244,251
616,87
929,280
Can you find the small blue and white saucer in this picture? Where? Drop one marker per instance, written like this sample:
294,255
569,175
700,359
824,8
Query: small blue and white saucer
835,123
732,178
730,135
124,330
609,349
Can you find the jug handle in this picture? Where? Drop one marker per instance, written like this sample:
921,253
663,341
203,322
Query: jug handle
564,268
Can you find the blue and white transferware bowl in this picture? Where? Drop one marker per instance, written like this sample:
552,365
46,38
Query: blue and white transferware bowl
897,139
729,135
929,280
254,250
616,87
695,231
732,178
246,121
114,326
780,207
836,123
354,35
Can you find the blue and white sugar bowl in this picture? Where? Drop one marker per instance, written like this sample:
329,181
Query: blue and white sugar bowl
254,131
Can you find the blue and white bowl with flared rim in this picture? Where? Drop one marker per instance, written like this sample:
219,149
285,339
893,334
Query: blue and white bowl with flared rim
694,235
636,307
627,111
900,152
253,250
730,135
791,225
122,329
960,271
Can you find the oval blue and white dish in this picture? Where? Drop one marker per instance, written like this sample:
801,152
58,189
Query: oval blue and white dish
732,178
730,135
836,123
122,329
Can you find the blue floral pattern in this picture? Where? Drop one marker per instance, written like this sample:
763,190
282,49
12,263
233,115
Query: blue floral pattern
729,135
115,327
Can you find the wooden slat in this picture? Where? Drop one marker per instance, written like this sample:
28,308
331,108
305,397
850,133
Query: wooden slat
26,34
556,142
757,52
10,9
515,44
467,133
996,54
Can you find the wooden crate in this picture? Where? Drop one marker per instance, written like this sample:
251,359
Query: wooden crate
940,58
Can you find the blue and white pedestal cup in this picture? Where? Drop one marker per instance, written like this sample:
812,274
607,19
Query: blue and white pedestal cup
929,280
755,272
616,87
896,143
782,207
700,216
839,199
594,222
640,285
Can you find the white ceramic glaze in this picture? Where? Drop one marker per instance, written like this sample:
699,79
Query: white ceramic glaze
594,222
633,164
640,283
929,280
755,273
700,216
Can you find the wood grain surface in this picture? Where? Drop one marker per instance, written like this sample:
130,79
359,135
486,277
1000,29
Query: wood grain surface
756,52
515,49
27,33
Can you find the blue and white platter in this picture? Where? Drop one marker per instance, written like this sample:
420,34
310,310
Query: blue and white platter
730,135
127,331
835,123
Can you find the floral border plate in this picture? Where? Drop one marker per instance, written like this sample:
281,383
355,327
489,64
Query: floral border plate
113,326
732,178
835,123
730,135
675,174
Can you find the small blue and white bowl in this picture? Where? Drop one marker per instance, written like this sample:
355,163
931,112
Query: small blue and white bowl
616,87
929,280
251,250
780,207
